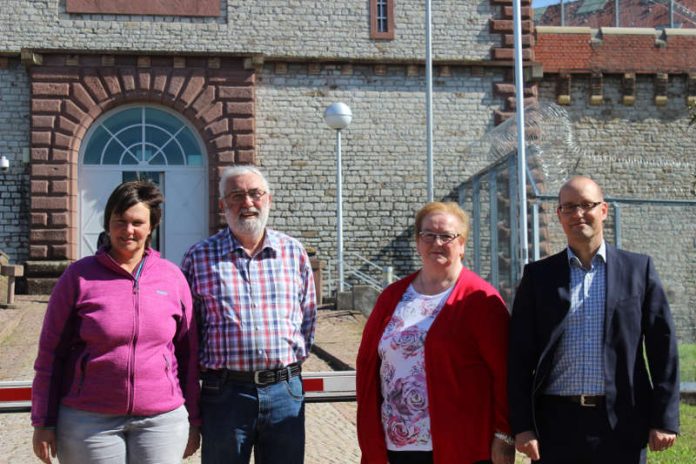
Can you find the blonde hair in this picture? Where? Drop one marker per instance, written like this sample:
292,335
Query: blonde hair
447,207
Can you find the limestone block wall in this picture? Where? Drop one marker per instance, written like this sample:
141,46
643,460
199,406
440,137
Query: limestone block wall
14,144
288,28
642,151
384,151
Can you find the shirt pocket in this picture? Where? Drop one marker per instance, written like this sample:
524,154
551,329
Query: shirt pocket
82,372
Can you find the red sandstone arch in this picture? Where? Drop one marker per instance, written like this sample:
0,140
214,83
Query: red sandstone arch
217,95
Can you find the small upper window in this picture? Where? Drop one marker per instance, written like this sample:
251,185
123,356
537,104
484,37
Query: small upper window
382,19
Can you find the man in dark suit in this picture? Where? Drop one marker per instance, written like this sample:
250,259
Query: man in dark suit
593,369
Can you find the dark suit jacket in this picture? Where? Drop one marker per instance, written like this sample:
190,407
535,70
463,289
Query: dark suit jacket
638,329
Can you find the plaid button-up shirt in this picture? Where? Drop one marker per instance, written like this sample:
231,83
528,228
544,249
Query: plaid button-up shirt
579,360
254,312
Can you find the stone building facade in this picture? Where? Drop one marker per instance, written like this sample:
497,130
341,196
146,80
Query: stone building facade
252,79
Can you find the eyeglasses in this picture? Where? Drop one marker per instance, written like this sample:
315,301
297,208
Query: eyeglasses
432,237
238,196
570,208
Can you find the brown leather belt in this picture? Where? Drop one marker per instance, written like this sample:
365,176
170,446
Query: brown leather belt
261,378
587,401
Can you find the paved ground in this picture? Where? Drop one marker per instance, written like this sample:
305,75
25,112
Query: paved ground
331,435
330,426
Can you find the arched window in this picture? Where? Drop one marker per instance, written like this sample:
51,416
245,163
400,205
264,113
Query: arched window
143,136
153,143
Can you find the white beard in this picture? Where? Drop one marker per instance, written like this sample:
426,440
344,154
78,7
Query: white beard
248,227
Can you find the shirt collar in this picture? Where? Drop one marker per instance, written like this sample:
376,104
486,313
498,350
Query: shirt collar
601,254
270,242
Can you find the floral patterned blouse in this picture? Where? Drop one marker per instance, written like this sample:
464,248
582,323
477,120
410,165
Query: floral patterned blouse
405,415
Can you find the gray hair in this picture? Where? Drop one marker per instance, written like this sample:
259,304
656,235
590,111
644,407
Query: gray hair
239,170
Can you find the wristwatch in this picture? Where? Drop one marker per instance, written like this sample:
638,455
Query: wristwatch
505,438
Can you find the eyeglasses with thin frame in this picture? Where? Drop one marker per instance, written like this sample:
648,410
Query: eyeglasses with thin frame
239,196
432,237
570,208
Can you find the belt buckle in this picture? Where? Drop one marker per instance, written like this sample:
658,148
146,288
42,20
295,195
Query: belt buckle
584,401
257,378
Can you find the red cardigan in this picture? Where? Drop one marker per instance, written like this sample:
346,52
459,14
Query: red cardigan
465,363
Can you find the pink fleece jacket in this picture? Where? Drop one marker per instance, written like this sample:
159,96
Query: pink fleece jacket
112,343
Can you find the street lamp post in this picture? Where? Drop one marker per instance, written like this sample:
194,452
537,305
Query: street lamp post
338,116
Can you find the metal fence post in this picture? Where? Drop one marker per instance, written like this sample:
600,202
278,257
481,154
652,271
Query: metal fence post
617,224
476,204
387,275
493,224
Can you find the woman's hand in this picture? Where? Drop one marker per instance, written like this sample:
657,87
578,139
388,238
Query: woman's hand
44,442
501,452
527,443
194,441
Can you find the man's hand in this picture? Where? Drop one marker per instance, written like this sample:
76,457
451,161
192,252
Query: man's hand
527,443
44,443
194,441
660,440
501,452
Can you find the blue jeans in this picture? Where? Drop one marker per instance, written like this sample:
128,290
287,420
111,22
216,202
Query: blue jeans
90,438
240,416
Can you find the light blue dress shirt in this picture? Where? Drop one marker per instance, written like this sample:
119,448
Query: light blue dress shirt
578,367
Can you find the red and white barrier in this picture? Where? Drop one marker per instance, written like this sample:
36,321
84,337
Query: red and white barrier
329,386
15,396
320,387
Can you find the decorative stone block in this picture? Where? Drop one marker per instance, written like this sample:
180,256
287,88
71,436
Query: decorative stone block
444,71
596,89
314,68
661,82
628,85
563,93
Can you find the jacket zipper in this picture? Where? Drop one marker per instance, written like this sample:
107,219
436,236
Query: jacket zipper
134,339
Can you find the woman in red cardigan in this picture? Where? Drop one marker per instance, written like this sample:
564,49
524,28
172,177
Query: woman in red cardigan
431,369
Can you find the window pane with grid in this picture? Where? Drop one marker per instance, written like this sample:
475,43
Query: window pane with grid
143,136
382,19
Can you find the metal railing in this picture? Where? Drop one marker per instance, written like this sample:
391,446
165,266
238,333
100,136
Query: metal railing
359,271
663,228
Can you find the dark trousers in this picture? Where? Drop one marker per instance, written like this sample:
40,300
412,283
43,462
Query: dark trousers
415,457
573,434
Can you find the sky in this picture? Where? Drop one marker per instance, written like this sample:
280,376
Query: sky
540,3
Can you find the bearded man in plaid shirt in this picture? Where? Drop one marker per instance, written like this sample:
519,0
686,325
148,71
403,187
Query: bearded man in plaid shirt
255,301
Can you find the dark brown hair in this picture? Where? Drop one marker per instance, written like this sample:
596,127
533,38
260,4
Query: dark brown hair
131,193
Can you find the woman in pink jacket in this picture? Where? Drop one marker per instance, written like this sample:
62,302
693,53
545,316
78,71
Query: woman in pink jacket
431,369
116,374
